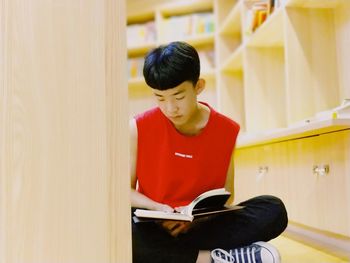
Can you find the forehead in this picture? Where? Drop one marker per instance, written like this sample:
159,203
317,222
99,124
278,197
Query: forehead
182,88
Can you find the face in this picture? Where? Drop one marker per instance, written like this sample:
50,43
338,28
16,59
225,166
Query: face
179,104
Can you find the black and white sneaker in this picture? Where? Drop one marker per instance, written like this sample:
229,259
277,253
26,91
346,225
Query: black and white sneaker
259,252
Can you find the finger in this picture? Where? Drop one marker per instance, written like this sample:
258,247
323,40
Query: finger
179,209
169,224
187,227
166,208
176,231
179,229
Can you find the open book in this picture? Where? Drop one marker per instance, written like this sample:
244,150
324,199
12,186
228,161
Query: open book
210,202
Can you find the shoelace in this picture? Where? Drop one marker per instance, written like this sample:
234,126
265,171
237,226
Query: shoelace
236,255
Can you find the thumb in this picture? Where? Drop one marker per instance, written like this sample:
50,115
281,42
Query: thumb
165,208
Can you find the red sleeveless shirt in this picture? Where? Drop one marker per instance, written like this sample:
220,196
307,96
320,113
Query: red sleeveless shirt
173,168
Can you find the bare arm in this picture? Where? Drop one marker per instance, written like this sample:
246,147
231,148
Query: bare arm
175,228
229,184
137,199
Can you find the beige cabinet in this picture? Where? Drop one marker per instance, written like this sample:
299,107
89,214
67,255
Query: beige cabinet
261,170
311,175
319,181
247,180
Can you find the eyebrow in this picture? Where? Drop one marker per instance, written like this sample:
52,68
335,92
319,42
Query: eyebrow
176,93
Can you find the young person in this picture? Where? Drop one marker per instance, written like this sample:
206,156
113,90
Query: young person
180,149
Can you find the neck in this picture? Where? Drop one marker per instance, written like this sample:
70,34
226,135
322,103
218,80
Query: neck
197,122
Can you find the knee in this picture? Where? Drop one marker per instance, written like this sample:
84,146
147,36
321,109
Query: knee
268,213
270,209
278,212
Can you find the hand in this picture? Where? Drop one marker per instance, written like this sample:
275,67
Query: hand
180,209
164,208
175,228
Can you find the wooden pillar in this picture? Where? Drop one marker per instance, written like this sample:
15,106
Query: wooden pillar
64,154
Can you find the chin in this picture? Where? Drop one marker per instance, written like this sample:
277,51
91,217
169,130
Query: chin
178,122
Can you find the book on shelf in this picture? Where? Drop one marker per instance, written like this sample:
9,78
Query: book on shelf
208,203
257,13
187,26
141,34
135,67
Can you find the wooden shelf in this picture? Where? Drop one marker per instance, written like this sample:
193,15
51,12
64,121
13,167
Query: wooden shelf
138,88
311,128
140,17
141,50
196,41
186,7
136,82
201,40
270,33
232,23
234,62
314,3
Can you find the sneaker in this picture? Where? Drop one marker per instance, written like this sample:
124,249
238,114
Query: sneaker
259,252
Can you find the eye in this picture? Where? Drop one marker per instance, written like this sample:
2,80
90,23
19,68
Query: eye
160,99
180,98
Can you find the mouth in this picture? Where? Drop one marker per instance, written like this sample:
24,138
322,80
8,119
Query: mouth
175,117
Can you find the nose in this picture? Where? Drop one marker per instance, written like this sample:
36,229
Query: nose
171,107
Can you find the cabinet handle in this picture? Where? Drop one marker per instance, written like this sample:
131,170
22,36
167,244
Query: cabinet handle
321,170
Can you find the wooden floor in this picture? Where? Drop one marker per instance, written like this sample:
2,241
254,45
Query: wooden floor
296,252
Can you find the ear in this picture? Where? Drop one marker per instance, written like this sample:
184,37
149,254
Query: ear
200,86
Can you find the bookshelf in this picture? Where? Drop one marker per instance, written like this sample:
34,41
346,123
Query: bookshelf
281,66
283,82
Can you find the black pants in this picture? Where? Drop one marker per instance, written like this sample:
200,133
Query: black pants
263,218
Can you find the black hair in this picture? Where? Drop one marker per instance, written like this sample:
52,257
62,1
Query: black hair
168,66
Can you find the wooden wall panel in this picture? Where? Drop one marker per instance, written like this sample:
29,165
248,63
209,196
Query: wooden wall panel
63,139
117,132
